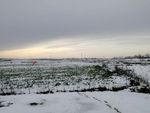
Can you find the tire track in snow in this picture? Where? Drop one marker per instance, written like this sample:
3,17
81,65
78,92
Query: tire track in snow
104,102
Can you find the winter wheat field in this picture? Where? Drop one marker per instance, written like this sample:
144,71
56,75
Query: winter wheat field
118,85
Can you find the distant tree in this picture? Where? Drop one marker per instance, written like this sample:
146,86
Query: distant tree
147,55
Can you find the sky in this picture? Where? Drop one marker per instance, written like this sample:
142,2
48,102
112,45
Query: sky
74,28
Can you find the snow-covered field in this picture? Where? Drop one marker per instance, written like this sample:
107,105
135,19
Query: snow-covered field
44,63
22,76
95,102
70,81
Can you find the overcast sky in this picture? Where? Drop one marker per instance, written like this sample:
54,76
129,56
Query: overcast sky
97,28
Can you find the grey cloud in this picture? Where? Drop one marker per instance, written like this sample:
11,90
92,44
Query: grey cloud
24,22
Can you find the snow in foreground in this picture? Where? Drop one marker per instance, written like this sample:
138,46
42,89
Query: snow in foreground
89,102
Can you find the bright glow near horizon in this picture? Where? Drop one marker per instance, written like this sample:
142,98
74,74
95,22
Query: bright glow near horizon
83,46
